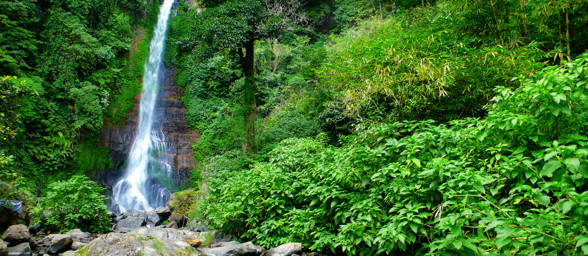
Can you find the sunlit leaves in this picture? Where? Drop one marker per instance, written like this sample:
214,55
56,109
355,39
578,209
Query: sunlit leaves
471,187
414,66
75,203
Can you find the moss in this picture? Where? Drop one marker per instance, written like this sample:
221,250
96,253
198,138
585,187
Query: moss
92,156
158,245
184,201
83,251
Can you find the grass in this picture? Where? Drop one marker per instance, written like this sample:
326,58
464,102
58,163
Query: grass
158,245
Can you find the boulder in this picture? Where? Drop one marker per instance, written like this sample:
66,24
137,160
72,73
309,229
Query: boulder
34,229
163,212
77,245
129,223
78,235
178,219
194,242
224,244
153,219
171,224
22,249
169,233
3,248
16,234
196,226
60,243
40,241
134,213
286,250
247,249
12,212
141,241
234,249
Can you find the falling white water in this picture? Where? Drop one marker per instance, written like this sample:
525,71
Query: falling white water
131,192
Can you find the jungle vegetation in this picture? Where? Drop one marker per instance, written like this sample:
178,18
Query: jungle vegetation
408,127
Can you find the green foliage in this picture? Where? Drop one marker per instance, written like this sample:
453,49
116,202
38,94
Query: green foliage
512,183
284,125
183,202
73,67
89,105
18,44
415,67
75,203
91,156
13,94
556,24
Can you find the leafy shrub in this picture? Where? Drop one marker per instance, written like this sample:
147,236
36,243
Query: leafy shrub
513,183
415,67
75,203
183,201
286,124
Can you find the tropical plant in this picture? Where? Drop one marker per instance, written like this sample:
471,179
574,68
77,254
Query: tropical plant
511,183
74,203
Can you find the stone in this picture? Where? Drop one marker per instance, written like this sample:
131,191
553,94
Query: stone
224,244
134,213
125,225
180,220
60,243
69,253
194,242
234,249
78,235
12,212
171,224
288,249
153,219
143,241
23,249
3,248
196,226
16,234
40,241
247,249
169,233
34,229
77,245
163,212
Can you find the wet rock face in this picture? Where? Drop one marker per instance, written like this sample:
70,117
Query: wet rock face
178,134
171,120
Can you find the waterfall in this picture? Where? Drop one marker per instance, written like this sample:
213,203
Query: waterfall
139,188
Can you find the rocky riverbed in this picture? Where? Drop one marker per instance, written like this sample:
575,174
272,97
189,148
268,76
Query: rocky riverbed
136,233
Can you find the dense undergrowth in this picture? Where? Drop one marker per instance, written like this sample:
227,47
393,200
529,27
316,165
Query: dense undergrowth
513,182
67,69
353,127
449,128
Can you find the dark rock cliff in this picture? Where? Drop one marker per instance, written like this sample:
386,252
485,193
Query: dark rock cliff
172,121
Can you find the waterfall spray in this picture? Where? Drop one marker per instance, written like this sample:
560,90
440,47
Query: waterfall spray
131,191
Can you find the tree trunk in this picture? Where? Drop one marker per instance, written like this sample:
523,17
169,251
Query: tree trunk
568,46
250,114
